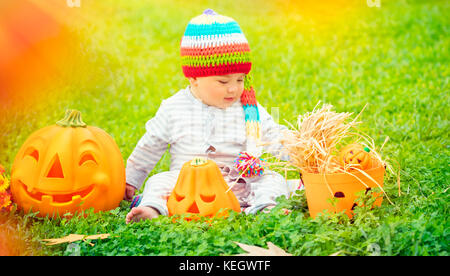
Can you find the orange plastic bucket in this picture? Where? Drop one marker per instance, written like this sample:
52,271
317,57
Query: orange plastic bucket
341,186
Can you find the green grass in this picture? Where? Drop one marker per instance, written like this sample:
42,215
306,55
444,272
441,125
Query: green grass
342,52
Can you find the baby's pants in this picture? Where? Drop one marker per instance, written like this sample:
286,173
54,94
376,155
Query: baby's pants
253,193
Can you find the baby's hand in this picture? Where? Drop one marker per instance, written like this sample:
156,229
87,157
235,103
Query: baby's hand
129,192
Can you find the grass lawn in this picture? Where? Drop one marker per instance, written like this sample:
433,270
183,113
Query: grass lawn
124,59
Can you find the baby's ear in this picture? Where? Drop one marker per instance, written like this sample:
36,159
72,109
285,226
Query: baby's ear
192,81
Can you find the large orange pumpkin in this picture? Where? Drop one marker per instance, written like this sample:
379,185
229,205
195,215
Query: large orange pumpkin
356,156
68,167
201,190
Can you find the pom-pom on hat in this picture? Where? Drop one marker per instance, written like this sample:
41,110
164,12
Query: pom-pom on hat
214,45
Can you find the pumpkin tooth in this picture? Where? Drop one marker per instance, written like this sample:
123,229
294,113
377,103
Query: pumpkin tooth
76,199
47,199
32,191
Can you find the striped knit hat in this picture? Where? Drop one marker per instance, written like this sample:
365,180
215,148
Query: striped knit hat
214,44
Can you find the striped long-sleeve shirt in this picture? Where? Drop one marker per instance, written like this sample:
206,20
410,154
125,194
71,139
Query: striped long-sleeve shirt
191,127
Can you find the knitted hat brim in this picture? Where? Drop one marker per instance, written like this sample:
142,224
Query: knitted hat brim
218,70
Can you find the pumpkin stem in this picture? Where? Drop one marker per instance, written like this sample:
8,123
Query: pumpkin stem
197,161
72,119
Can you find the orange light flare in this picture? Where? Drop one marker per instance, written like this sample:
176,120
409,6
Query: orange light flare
36,45
10,245
324,12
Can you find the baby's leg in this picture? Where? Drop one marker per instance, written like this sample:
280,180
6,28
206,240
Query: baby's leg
154,198
265,189
140,213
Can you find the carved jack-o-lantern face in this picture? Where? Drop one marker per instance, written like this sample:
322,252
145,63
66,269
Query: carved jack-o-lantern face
68,167
201,190
356,156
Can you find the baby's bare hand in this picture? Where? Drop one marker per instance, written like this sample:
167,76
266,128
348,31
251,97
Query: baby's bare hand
129,192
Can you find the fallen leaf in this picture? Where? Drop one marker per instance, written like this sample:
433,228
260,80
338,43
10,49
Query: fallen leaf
337,253
259,251
75,237
276,250
69,238
96,237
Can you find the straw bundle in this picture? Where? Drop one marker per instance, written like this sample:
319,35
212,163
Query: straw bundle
312,147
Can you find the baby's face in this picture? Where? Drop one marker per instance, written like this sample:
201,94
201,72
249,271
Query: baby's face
219,91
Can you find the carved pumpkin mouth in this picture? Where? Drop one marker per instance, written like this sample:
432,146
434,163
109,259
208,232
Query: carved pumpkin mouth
59,198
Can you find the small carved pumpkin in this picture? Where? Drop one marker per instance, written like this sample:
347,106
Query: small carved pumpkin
68,167
354,155
201,190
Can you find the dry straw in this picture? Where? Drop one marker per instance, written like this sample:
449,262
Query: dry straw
314,145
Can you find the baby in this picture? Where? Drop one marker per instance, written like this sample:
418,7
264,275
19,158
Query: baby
215,116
